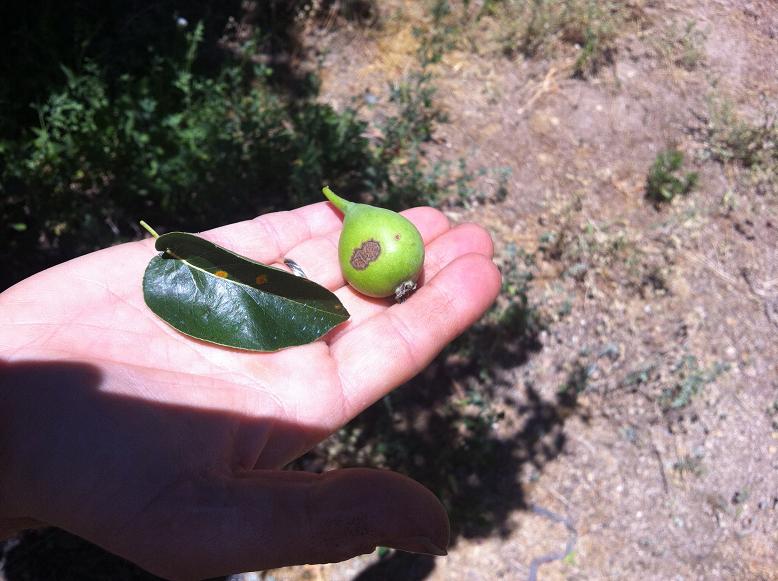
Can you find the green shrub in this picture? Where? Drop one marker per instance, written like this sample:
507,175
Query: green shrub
176,147
190,148
188,133
664,181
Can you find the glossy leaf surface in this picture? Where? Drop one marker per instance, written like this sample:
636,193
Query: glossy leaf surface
210,293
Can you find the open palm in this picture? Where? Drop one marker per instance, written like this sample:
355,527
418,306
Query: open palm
168,450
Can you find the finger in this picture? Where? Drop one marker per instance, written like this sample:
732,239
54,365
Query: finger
268,237
272,519
318,257
397,343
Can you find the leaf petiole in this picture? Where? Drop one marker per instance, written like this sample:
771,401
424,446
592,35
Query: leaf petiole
149,229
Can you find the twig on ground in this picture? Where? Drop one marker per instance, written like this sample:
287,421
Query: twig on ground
769,302
558,556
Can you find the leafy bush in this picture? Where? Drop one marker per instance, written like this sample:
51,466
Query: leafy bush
179,148
186,146
664,182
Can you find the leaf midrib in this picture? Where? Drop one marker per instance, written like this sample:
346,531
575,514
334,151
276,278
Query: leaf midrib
248,286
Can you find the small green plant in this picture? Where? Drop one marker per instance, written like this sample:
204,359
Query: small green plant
772,413
682,46
665,179
577,379
748,144
692,52
592,26
689,465
690,379
640,376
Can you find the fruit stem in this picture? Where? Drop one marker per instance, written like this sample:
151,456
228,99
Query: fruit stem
149,229
336,200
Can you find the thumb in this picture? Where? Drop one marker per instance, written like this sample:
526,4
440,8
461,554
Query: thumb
352,511
268,519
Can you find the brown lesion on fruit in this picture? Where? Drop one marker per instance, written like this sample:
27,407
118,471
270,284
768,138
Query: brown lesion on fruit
365,254
397,236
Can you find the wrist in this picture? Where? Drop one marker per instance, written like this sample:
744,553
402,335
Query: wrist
37,435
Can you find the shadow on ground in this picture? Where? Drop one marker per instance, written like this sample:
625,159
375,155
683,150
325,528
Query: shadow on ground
463,429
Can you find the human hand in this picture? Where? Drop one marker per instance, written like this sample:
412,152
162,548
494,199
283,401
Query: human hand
167,450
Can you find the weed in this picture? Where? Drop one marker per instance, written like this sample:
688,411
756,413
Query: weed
692,52
691,465
536,27
682,47
591,26
690,379
665,181
751,145
400,175
609,253
511,328
577,380
772,413
640,376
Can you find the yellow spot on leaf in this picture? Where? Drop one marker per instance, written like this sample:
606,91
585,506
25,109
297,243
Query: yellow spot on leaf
221,273
261,279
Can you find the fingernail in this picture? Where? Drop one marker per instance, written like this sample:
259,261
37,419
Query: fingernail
418,545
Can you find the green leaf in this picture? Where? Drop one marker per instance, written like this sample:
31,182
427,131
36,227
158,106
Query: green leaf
210,293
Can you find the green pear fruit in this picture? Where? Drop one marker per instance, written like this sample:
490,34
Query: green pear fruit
380,252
